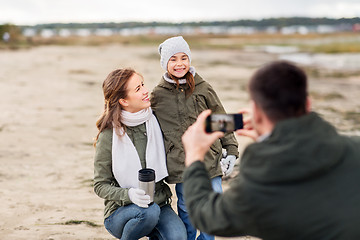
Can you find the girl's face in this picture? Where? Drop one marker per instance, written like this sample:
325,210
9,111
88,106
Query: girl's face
178,65
137,95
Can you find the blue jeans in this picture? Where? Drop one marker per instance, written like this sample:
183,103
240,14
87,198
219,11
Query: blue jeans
191,231
133,222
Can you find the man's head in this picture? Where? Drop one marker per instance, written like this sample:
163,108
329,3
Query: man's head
279,89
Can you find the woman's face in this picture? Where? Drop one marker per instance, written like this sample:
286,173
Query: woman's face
137,95
178,65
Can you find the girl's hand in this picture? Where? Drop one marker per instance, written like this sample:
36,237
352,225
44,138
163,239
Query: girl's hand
227,164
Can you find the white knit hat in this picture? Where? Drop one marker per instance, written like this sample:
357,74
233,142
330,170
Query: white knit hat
173,46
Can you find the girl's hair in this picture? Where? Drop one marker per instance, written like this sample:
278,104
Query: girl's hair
190,82
114,88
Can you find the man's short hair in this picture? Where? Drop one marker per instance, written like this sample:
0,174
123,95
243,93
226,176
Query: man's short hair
280,89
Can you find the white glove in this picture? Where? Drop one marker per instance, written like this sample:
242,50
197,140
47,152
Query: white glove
223,166
223,162
138,197
227,164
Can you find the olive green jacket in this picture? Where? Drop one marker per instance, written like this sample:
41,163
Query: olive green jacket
105,184
302,182
176,112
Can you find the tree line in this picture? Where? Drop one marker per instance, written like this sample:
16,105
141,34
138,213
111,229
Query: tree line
263,23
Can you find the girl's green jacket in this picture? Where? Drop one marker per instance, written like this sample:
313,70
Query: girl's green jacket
176,112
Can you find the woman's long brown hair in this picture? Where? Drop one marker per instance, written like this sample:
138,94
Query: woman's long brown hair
114,88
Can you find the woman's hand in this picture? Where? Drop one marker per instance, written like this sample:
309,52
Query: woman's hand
138,197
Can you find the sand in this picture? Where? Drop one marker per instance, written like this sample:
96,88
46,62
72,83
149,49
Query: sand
50,98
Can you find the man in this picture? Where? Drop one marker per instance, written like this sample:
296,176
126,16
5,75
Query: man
300,180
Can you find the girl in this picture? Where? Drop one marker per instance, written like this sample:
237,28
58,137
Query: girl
129,139
177,100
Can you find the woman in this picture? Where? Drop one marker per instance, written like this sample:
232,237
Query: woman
130,139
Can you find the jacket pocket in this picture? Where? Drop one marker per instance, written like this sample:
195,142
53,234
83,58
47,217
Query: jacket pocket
200,104
213,156
169,147
215,149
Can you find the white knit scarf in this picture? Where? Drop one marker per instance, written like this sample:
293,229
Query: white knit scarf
181,81
125,159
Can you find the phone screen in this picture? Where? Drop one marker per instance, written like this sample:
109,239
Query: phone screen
224,122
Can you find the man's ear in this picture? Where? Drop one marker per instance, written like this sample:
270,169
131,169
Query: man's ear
257,113
262,123
308,104
123,102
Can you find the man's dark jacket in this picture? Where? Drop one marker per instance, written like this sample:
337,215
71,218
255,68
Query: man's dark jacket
303,182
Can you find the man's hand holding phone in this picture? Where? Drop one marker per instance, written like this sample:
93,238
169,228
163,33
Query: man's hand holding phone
196,141
248,130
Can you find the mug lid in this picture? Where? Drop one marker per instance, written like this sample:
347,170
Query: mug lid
146,175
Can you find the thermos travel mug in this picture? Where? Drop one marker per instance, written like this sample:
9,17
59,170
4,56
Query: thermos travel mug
147,181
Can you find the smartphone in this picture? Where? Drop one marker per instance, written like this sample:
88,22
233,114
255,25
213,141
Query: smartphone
224,122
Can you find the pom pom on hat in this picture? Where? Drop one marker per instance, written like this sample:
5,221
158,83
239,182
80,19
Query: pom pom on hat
172,46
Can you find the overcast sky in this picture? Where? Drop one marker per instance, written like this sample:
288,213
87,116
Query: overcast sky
65,11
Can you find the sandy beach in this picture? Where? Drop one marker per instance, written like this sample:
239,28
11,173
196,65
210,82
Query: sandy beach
50,99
